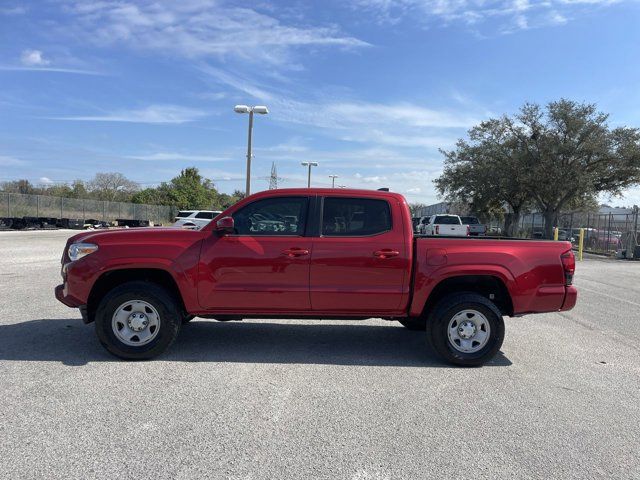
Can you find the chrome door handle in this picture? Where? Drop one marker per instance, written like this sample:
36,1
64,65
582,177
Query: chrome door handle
295,252
386,253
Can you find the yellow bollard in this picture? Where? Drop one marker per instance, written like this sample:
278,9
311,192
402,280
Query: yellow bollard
555,233
580,244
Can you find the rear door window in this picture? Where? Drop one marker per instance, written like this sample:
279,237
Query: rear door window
348,217
208,215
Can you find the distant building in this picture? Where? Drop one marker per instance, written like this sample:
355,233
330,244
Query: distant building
435,209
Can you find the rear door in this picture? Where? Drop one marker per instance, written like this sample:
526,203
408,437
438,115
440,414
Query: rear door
264,265
360,261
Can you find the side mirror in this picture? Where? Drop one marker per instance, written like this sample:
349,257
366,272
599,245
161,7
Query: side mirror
225,225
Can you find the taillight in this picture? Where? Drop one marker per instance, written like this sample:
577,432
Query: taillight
437,229
468,231
569,265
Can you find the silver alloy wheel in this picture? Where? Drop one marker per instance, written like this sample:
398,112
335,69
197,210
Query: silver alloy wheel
468,331
135,323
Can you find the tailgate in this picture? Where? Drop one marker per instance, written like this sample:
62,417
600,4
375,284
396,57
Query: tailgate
452,230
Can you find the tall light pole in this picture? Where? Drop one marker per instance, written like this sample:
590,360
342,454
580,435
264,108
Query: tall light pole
333,180
309,165
262,110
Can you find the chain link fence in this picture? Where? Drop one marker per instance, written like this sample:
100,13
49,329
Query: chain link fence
607,233
16,205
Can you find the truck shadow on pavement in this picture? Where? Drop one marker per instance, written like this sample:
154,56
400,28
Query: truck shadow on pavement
353,343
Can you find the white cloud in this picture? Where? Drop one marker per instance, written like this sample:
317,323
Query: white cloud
76,71
7,161
15,10
197,29
175,156
33,58
510,15
45,181
152,114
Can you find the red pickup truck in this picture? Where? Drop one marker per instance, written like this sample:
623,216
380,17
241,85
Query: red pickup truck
312,253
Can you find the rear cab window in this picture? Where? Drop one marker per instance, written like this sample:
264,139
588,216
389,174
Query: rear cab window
352,217
446,220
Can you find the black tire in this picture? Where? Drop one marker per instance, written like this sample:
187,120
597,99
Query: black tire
414,324
443,313
166,306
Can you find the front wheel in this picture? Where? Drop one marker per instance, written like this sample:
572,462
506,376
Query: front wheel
465,329
137,320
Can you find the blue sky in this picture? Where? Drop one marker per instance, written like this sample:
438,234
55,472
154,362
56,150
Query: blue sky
370,89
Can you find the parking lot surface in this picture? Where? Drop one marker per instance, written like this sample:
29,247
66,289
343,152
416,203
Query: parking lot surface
265,399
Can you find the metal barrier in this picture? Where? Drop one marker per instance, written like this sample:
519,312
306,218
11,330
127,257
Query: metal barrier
17,205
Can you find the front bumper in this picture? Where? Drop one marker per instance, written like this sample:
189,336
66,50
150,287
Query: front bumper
62,295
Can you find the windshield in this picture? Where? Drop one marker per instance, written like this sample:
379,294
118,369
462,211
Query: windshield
183,214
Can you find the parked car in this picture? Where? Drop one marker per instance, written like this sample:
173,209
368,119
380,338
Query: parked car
446,225
422,225
345,254
475,227
415,221
195,218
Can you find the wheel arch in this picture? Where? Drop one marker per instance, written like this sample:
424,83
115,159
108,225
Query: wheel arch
112,278
489,286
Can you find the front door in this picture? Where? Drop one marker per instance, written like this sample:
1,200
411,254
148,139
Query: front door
264,265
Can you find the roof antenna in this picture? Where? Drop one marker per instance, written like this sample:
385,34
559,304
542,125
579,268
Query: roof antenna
383,189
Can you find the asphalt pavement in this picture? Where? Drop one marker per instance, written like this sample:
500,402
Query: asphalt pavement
267,399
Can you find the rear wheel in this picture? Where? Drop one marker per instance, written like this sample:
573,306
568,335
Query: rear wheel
137,320
465,329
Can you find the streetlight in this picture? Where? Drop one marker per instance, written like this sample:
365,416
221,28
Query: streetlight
333,180
262,110
309,165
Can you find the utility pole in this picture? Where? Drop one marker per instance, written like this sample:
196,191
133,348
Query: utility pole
309,165
262,110
333,180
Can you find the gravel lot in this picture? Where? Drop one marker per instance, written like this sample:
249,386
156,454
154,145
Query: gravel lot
316,399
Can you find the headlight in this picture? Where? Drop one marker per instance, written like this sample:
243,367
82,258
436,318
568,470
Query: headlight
79,250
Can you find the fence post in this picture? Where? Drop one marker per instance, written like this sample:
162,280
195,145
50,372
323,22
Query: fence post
37,205
609,232
556,231
83,214
580,244
8,205
61,208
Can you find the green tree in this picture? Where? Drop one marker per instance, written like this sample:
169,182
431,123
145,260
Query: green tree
190,190
415,208
112,186
18,186
555,157
484,173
